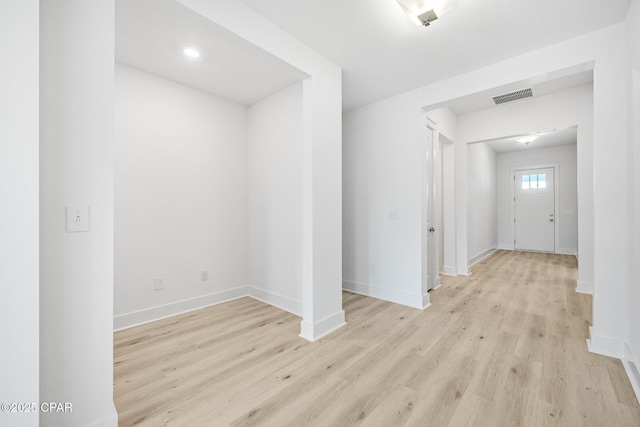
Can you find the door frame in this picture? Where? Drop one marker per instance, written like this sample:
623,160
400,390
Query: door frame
431,185
436,204
556,201
430,249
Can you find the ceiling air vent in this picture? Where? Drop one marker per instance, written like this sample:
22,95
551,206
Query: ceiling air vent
513,96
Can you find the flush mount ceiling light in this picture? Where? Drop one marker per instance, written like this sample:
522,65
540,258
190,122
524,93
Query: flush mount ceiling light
424,12
526,140
191,52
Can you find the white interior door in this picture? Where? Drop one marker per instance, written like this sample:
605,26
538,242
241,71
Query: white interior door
430,251
427,247
436,210
534,210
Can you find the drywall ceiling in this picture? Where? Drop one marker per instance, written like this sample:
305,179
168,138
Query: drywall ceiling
151,36
383,54
484,100
547,139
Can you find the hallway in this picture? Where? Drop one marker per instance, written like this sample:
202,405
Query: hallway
505,346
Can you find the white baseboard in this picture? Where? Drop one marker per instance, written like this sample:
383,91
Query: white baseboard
463,271
426,300
437,282
315,331
584,287
482,255
566,251
110,420
448,270
631,365
410,300
560,251
128,320
311,332
284,303
607,346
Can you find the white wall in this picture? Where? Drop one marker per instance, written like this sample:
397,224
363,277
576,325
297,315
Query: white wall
566,158
275,199
180,197
19,305
449,215
76,168
382,173
555,111
602,151
445,121
482,204
321,158
632,352
611,279
382,204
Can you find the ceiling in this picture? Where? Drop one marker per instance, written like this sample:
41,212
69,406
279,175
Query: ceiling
151,35
546,139
483,100
381,52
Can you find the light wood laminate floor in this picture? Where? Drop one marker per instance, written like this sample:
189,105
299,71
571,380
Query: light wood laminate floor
503,347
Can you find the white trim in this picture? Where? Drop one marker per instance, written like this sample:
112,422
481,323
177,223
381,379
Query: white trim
110,420
463,271
279,301
482,255
556,201
410,300
566,251
584,287
312,332
607,346
136,318
437,282
631,365
148,315
426,299
448,270
503,247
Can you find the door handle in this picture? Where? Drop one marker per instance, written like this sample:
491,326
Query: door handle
431,230
551,220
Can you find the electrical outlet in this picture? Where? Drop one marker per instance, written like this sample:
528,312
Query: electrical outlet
159,284
204,275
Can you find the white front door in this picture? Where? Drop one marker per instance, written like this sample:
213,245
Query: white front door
534,210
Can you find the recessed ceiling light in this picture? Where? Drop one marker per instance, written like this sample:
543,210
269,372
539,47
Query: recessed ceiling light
191,52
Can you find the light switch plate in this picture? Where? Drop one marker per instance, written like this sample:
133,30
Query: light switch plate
77,218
